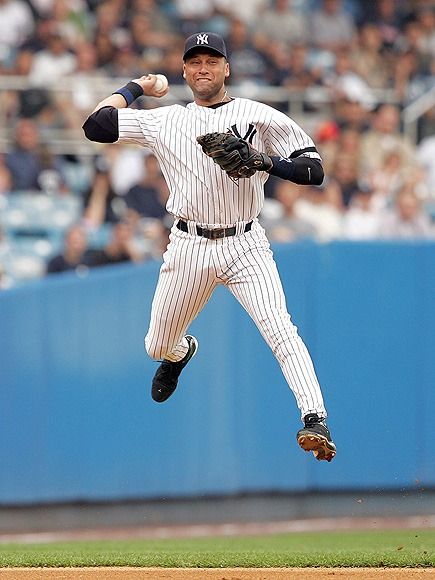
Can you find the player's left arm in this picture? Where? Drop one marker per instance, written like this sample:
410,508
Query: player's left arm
239,159
297,168
292,152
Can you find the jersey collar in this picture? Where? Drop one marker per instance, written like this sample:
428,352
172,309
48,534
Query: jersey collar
217,105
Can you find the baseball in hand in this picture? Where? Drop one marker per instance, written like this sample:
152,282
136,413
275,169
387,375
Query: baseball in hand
161,83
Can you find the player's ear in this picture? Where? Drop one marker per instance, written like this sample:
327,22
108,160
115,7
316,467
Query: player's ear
184,71
227,69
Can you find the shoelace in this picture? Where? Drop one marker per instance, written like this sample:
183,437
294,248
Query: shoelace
314,421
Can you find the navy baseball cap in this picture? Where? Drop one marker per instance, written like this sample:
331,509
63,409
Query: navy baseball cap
206,40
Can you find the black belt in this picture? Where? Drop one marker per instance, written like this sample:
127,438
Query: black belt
214,234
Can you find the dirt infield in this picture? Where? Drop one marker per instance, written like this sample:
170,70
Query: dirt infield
216,573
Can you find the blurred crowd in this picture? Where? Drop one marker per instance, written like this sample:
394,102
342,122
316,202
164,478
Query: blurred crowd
374,57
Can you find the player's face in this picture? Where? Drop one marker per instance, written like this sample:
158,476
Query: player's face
205,73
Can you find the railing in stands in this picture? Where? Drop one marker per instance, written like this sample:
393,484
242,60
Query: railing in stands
308,107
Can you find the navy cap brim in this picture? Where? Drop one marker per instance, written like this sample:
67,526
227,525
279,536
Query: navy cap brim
206,41
202,49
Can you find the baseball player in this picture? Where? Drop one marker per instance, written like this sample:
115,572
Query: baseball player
216,154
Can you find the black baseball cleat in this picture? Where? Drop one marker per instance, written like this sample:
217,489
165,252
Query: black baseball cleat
166,378
315,437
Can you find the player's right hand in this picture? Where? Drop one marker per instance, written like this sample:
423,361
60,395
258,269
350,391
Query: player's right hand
147,83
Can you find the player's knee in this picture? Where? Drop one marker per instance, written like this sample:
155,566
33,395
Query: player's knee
285,342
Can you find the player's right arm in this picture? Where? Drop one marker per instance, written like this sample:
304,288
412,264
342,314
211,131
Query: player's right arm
102,125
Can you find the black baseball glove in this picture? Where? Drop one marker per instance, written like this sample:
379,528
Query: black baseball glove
233,154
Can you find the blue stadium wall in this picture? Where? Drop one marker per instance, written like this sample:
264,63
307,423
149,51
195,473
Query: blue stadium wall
77,421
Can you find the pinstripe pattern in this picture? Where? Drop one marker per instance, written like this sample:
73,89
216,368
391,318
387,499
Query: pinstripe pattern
202,194
193,266
199,190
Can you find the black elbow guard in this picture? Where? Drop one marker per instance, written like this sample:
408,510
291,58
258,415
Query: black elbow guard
317,173
102,126
302,170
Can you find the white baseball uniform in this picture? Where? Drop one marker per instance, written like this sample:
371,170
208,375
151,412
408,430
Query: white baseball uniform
201,194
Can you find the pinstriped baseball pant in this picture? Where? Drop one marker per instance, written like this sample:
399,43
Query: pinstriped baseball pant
192,268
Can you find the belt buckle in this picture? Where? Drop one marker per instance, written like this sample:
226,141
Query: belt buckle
217,234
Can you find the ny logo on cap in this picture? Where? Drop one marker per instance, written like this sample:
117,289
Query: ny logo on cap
202,39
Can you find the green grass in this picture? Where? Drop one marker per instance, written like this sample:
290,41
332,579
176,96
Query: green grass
388,548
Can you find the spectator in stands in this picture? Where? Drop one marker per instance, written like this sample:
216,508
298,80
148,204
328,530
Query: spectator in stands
247,63
101,204
170,66
290,67
30,160
148,44
248,11
73,105
44,28
386,16
159,20
283,224
53,63
109,21
321,208
406,220
75,254
333,142
122,247
192,13
148,197
345,84
105,49
369,60
71,21
16,25
349,141
33,100
383,137
280,23
151,236
411,38
126,166
361,220
345,175
332,28
51,177
44,8
109,31
391,177
425,17
125,63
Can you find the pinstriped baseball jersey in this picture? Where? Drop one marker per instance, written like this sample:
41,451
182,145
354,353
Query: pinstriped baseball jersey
199,190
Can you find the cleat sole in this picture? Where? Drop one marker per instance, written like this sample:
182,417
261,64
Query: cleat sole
323,450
